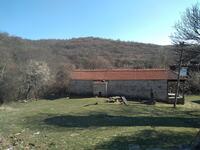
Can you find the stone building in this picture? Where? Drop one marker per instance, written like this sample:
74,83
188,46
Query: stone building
131,83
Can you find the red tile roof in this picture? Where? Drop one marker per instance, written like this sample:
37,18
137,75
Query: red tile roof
123,74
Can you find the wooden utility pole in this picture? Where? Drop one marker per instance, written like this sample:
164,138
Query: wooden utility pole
181,44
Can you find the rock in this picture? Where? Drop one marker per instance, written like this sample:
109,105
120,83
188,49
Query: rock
52,144
74,134
31,144
17,134
36,133
10,148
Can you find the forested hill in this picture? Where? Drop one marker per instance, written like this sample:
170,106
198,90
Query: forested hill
40,68
87,52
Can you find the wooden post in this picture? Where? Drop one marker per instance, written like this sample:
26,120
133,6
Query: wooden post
106,88
183,92
178,78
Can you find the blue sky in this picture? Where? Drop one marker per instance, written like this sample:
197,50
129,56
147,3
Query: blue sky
147,21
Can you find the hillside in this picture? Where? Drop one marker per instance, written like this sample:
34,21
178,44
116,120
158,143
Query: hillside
31,68
87,52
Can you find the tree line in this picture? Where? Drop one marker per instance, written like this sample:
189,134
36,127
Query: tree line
41,69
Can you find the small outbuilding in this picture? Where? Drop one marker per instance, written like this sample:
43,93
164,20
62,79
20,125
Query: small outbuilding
132,83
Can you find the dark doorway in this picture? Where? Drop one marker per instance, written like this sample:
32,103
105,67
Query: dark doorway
100,88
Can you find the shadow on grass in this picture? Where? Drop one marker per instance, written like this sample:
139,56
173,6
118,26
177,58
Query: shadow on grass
81,97
196,101
148,138
57,97
54,97
107,120
101,120
192,113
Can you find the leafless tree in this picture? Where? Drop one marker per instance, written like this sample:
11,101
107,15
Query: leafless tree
187,30
37,74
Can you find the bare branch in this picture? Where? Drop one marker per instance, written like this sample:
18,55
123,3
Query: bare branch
188,29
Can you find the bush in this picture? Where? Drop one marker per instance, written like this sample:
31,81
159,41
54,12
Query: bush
193,83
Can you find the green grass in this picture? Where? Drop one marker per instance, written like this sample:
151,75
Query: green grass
67,124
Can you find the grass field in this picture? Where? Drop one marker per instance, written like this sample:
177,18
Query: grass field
67,124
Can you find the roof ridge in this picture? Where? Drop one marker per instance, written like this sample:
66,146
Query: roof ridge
123,74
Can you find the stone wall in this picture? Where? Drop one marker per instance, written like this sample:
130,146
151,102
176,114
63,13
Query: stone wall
81,87
138,89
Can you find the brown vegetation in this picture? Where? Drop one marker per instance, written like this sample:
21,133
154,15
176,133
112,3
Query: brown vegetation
33,69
